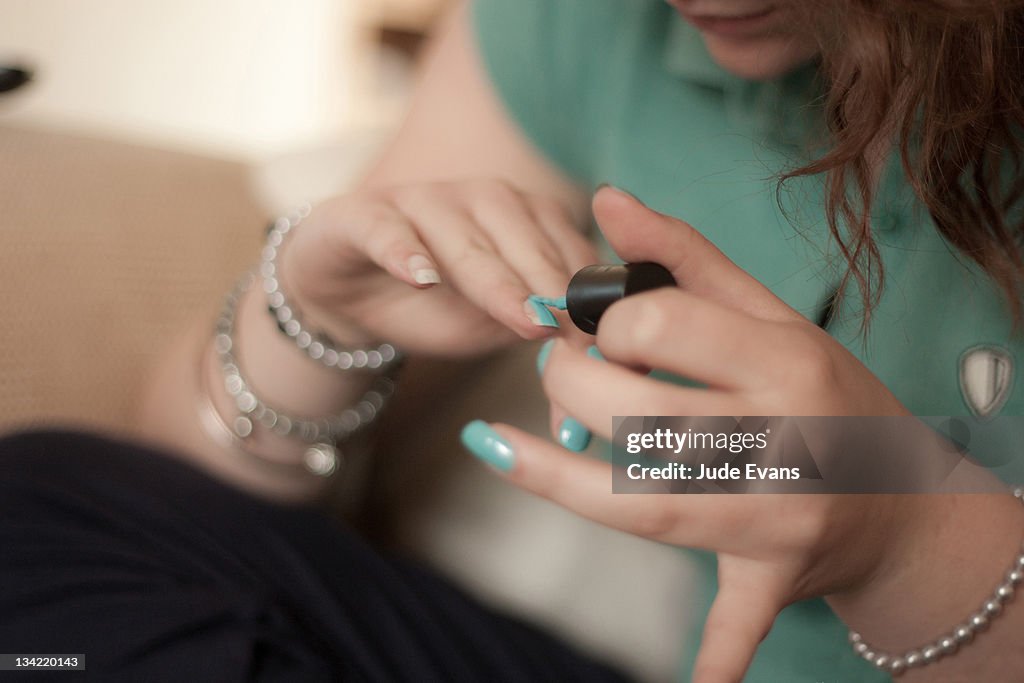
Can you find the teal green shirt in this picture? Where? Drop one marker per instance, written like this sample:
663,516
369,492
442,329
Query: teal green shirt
623,91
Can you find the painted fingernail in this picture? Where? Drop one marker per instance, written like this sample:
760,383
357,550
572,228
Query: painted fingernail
486,444
538,313
423,271
573,435
595,353
542,355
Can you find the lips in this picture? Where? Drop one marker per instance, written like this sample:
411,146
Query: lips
735,25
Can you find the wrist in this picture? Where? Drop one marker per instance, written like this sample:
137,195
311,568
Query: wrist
282,372
258,428
947,560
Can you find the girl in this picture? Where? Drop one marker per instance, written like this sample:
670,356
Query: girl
848,171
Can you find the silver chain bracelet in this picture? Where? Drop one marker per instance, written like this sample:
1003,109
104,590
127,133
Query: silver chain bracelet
323,433
316,345
960,636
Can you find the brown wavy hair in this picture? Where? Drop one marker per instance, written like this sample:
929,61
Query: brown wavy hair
942,81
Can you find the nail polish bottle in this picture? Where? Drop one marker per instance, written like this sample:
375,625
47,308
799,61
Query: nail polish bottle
594,288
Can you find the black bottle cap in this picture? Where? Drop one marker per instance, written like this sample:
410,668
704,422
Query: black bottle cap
594,288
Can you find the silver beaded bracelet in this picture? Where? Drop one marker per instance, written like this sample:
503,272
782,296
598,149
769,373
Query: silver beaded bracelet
323,433
316,345
960,636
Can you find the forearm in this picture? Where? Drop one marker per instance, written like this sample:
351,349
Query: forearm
956,556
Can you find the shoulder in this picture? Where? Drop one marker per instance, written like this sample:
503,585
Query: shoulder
557,64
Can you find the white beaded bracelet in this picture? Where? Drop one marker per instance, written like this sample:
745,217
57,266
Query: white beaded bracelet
317,345
960,636
324,434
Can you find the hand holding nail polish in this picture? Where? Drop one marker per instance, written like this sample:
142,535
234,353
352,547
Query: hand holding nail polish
753,355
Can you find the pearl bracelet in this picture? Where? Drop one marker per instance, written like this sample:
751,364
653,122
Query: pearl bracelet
961,635
323,434
318,346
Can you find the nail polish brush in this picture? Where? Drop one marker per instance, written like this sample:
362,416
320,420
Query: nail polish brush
594,288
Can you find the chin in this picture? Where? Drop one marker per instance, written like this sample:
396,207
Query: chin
758,60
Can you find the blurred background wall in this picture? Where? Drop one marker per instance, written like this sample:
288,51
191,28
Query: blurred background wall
241,79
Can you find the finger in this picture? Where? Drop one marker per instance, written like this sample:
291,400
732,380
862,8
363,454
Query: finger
740,618
503,214
390,241
568,432
577,251
594,391
580,484
470,261
675,330
638,233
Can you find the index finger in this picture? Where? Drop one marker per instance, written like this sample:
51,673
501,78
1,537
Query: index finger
584,486
638,233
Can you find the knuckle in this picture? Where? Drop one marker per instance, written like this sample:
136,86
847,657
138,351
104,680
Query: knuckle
653,519
652,320
553,211
495,190
408,197
377,217
813,366
391,247
474,245
809,530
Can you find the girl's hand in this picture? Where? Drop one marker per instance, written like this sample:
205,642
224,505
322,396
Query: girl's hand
439,268
756,356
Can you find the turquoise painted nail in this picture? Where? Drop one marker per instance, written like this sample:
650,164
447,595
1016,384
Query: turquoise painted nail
486,444
539,313
551,302
573,435
595,353
542,355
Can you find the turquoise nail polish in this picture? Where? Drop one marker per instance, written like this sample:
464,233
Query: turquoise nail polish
542,355
595,353
544,317
573,435
551,302
485,443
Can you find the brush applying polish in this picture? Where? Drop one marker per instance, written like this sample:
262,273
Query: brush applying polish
594,288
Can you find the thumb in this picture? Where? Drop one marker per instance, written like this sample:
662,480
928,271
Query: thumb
638,233
740,618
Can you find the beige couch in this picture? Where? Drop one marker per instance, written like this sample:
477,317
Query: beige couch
105,250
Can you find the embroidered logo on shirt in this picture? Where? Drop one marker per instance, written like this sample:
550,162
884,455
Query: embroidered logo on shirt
986,377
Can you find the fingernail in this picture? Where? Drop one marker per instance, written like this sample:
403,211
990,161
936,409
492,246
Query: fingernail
616,188
423,271
573,435
538,313
485,443
551,302
595,353
542,355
